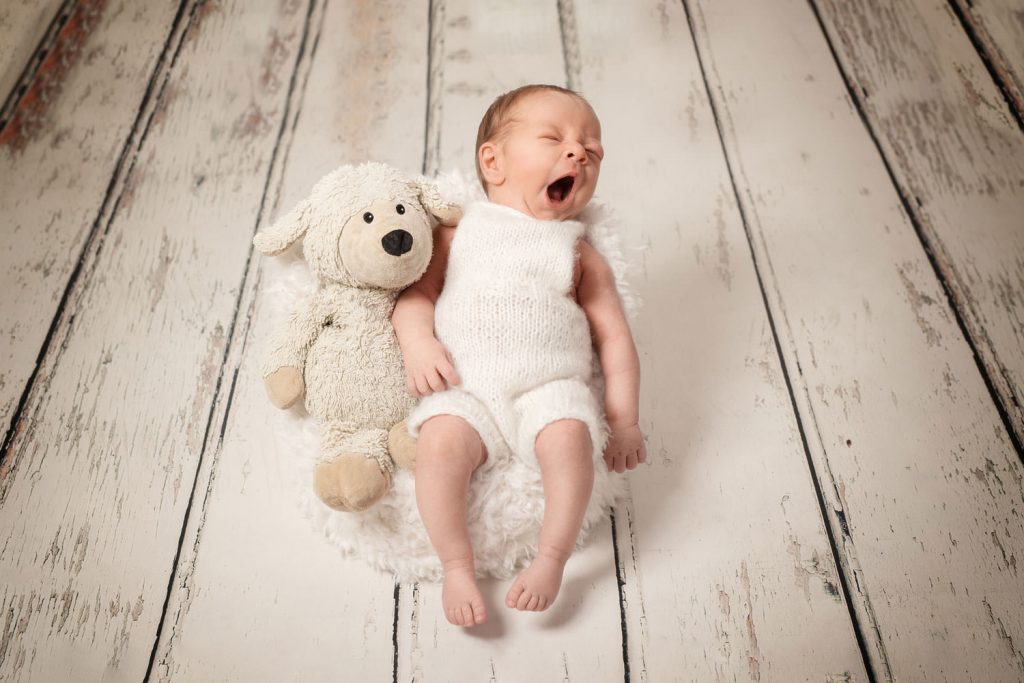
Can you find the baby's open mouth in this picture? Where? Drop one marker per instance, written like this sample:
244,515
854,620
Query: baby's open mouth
560,189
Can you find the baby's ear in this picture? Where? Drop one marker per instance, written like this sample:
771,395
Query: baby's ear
285,231
490,163
448,213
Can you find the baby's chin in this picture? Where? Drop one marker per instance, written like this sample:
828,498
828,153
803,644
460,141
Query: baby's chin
549,209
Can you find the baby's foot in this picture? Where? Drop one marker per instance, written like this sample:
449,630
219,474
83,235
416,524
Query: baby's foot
462,601
535,589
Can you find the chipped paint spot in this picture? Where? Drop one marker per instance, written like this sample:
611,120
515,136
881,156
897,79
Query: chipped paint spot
79,550
158,276
918,302
466,89
754,654
722,244
253,122
275,55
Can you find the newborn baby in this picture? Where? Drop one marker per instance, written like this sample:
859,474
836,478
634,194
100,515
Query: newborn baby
521,303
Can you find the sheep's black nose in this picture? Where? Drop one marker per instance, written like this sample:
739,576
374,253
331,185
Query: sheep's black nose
397,242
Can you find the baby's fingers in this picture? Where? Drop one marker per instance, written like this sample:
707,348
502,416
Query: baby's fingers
448,371
616,462
631,460
410,383
435,381
642,453
422,386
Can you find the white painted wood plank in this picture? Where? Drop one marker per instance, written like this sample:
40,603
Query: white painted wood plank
999,25
731,575
298,609
103,469
57,157
23,23
487,48
958,156
923,483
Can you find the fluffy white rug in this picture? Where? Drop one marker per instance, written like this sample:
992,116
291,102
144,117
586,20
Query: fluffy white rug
505,506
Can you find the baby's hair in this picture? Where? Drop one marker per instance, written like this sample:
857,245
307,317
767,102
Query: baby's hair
499,114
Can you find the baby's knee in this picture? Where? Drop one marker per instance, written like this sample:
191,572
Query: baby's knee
567,433
450,439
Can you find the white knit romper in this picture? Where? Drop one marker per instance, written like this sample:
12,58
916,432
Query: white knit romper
520,343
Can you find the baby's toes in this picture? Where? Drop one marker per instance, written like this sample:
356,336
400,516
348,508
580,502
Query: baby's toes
479,611
514,594
533,603
524,599
450,613
542,604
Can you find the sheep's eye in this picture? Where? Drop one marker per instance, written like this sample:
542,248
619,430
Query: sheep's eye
368,217
400,209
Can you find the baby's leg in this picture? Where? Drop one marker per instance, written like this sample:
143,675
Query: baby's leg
565,453
448,451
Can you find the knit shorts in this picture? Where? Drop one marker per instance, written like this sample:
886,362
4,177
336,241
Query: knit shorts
510,428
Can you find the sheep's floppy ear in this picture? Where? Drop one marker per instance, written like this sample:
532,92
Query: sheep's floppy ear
449,213
285,231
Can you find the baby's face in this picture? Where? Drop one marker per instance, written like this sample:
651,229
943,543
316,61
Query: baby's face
547,161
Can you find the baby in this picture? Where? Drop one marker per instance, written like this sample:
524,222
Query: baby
521,303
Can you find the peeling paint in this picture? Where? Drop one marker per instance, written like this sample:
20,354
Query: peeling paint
918,302
31,113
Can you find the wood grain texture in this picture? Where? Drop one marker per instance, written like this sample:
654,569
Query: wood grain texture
23,23
922,483
114,428
957,155
59,158
486,48
999,26
362,97
730,564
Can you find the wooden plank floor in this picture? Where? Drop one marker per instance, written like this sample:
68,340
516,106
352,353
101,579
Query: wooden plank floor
824,202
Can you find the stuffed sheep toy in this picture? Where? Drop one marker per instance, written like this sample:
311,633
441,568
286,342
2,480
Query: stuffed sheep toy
367,234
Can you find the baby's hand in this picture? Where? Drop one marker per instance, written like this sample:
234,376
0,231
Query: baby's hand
625,448
427,365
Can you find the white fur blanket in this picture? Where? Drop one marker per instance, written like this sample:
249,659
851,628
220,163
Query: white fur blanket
505,507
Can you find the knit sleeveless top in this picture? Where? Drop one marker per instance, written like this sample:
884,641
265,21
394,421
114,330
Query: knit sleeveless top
505,312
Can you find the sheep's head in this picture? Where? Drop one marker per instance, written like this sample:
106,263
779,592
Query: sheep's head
363,226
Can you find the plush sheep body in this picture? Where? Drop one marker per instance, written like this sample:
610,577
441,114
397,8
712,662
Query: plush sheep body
366,235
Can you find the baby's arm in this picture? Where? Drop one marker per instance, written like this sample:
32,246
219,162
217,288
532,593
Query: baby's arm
427,363
620,363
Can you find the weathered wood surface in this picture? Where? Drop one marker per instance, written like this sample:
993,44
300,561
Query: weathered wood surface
921,480
957,155
114,428
171,135
484,48
59,155
23,23
726,456
335,615
999,26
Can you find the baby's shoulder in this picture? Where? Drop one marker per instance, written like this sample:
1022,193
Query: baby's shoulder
589,257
